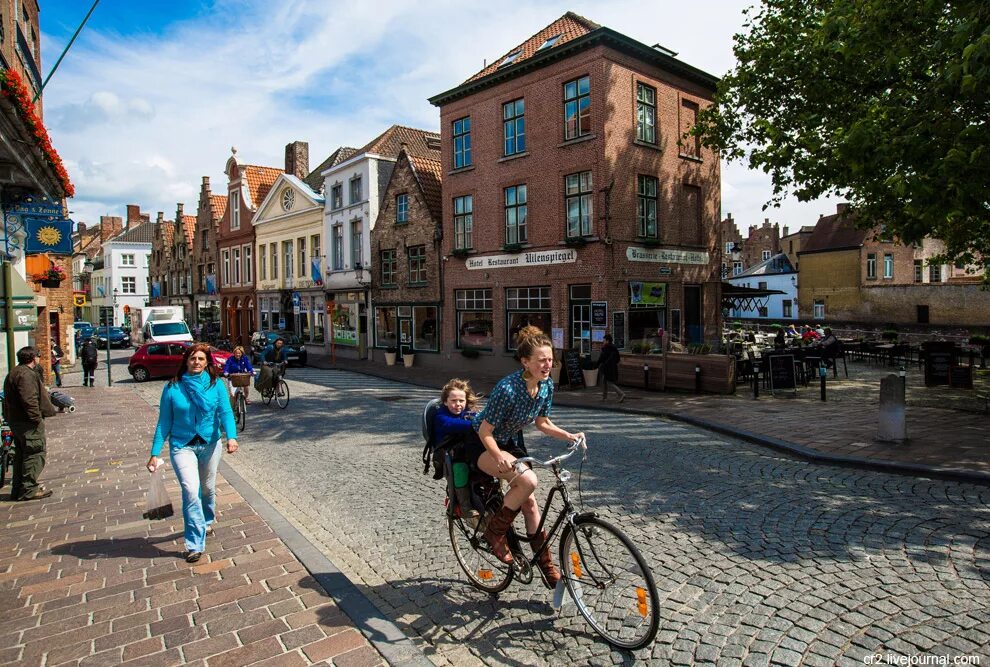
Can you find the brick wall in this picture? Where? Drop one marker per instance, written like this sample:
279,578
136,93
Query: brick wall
833,277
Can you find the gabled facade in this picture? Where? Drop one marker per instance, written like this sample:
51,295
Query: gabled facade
353,189
406,284
181,268
247,187
568,182
206,293
161,260
125,274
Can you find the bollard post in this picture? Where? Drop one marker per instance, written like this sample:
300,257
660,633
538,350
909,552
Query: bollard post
646,376
697,379
902,374
822,374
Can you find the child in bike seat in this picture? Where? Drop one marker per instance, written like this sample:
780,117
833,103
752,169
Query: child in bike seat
453,419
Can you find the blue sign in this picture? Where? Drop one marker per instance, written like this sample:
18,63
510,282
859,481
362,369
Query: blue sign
296,301
36,205
47,234
211,283
281,323
156,290
315,272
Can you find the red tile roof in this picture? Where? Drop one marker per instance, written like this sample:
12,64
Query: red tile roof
428,174
218,204
391,141
259,181
189,223
570,26
834,232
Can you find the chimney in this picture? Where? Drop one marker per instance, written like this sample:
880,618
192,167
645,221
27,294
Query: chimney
161,218
752,229
297,159
785,230
134,216
81,228
178,214
842,208
110,226
766,222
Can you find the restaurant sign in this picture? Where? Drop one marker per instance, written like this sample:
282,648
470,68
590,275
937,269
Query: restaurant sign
666,255
536,258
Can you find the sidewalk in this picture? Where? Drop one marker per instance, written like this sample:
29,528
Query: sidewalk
85,580
946,429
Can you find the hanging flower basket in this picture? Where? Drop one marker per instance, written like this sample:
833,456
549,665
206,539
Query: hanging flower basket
51,278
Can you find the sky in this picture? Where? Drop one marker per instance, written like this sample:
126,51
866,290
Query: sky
153,94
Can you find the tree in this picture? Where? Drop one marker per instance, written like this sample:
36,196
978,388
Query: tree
884,102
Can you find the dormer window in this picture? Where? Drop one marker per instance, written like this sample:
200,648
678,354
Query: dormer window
550,42
235,209
509,59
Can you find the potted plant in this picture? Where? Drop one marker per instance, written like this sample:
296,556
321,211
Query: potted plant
390,353
408,358
51,278
983,342
590,371
576,241
889,335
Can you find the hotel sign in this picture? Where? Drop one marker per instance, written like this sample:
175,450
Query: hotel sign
666,256
536,258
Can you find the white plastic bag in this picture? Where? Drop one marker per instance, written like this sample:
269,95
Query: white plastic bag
159,505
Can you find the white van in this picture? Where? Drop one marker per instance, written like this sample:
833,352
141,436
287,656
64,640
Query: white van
166,331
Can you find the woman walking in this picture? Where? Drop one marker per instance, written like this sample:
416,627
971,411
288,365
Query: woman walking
193,408
518,400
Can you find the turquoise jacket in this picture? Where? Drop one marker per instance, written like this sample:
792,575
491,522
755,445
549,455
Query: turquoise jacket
177,418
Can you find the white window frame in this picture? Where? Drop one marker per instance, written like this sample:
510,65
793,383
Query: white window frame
128,284
225,266
888,265
127,259
246,252
235,264
819,309
301,256
235,209
262,262
766,255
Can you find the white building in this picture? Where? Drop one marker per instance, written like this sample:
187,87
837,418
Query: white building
122,269
776,273
353,189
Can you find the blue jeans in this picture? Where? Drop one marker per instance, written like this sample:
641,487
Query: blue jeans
196,468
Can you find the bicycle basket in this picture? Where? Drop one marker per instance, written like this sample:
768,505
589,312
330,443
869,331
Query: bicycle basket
240,379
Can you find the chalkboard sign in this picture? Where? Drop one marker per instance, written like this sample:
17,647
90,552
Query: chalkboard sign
572,363
961,377
938,363
781,371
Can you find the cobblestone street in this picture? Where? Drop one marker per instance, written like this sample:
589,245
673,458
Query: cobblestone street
759,559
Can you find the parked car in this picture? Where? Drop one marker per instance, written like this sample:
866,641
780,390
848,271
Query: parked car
163,359
82,324
262,341
84,330
119,337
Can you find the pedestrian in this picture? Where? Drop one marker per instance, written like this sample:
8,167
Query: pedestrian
608,368
25,407
193,409
89,357
57,355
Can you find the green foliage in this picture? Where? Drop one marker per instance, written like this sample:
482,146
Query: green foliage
884,102
979,339
889,334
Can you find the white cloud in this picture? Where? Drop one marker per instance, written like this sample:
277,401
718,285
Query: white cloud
141,118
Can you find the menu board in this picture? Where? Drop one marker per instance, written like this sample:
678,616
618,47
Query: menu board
938,363
782,372
572,364
599,314
961,377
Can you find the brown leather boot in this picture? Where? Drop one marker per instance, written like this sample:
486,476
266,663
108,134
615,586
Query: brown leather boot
495,533
551,575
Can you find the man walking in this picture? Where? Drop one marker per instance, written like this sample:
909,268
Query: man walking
89,357
25,407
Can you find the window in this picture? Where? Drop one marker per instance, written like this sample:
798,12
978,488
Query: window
766,255
934,273
315,261
301,256
577,202
235,209
388,264
474,318
127,260
646,206
463,222
819,309
761,311
919,270
248,264
385,327
577,108
729,245
287,260
462,142
425,325
523,306
888,265
737,268
356,243
338,247
690,146
417,264
262,263
515,214
871,266
355,190
788,306
225,266
235,265
646,113
128,285
550,42
509,59
514,126
336,196
402,209
273,256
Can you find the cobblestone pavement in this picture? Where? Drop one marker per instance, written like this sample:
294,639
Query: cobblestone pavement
759,559
84,580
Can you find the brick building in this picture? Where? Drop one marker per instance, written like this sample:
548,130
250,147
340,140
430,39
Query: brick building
732,245
405,242
206,294
181,269
161,260
761,244
568,180
247,187
792,244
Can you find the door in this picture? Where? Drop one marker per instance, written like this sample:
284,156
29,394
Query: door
693,327
405,336
580,301
158,359
54,330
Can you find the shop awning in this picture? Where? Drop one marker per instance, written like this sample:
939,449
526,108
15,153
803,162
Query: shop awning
737,297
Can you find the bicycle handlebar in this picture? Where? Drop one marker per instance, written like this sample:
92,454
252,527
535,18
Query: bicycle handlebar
576,445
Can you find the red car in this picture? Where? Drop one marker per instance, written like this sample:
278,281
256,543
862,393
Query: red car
163,359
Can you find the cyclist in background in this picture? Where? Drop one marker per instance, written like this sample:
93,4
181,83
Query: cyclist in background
275,356
238,363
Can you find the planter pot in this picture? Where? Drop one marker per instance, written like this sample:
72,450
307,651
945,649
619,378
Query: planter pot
590,377
50,284
555,374
390,358
408,360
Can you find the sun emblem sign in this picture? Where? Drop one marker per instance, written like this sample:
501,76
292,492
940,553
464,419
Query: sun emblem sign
49,236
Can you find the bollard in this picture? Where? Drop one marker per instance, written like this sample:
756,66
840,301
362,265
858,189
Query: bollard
902,374
646,376
697,379
822,374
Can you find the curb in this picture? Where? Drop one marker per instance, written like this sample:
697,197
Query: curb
385,636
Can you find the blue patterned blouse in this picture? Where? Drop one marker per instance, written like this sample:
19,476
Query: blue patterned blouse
510,407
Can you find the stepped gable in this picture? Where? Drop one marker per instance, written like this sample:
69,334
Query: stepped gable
428,175
259,181
570,26
391,142
189,227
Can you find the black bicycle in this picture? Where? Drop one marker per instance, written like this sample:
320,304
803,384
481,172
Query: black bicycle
278,389
602,569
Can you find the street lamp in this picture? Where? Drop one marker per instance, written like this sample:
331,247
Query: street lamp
110,318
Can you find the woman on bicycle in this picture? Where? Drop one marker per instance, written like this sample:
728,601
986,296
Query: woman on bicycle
238,363
518,400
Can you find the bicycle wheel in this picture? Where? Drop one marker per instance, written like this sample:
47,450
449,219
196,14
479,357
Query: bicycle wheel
483,569
282,394
610,583
266,395
240,412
